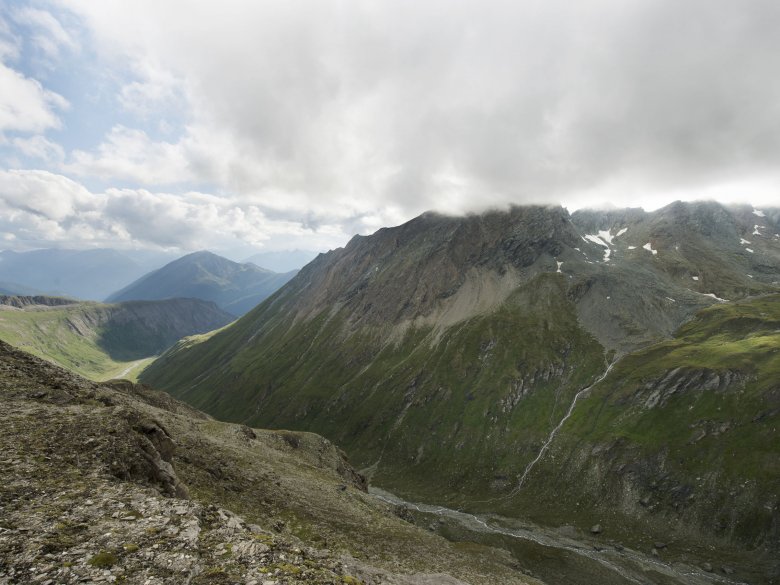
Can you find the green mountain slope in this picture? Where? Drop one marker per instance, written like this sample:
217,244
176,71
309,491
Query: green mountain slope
679,444
103,341
235,288
442,353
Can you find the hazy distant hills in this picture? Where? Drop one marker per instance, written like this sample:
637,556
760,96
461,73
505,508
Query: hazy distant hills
12,288
234,287
283,260
83,274
442,353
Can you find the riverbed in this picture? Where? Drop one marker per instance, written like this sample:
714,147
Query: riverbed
556,556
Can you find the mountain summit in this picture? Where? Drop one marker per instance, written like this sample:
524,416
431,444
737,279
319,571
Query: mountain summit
235,288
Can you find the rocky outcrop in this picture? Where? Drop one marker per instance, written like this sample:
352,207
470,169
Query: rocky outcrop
20,301
679,380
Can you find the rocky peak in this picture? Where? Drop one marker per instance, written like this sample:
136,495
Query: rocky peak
408,271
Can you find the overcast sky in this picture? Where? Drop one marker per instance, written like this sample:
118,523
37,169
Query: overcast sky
280,124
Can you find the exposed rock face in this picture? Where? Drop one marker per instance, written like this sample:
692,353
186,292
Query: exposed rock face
20,301
658,392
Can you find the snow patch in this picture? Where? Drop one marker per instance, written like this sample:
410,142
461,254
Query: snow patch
695,277
559,265
749,250
606,236
632,247
758,213
716,298
596,239
621,232
750,276
755,230
649,247
670,299
743,241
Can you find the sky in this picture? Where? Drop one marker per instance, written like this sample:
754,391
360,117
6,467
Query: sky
242,126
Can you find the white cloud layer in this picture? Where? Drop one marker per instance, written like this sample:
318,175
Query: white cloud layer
25,105
48,34
450,104
39,209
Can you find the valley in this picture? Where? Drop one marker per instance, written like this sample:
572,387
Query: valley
103,341
564,555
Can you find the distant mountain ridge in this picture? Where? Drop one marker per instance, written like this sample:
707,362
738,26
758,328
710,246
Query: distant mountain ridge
234,287
83,274
282,260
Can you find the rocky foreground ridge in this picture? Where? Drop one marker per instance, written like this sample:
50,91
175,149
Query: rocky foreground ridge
116,483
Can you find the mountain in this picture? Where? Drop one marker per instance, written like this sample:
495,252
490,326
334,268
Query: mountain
11,288
118,483
234,287
282,260
103,340
443,355
84,274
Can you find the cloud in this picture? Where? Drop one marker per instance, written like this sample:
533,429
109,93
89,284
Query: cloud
298,124
155,89
25,105
389,108
128,153
43,209
9,42
39,147
48,35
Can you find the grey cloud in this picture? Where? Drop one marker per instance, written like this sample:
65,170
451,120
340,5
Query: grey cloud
399,106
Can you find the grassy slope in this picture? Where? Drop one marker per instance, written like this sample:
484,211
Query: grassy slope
431,439
704,456
47,334
102,341
432,435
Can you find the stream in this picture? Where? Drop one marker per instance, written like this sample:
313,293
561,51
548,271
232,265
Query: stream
555,556
557,428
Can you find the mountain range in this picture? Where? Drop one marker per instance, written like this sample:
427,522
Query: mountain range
234,287
613,370
82,274
282,260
